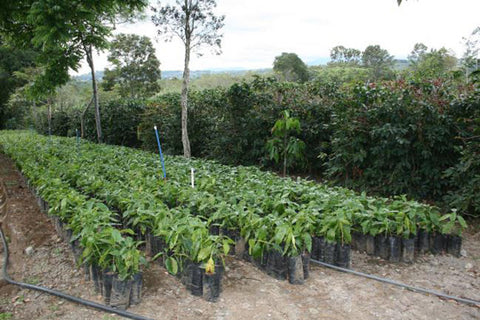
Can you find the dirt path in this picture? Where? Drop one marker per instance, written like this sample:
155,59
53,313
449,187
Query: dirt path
248,293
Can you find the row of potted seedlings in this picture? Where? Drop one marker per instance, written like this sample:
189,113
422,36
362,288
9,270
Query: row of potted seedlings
399,234
171,261
140,212
110,259
396,249
272,220
118,287
342,241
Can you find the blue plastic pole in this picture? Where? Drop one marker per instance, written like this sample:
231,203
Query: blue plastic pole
161,154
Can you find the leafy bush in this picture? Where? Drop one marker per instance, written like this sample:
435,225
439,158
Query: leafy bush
284,147
464,175
232,125
269,212
394,138
390,138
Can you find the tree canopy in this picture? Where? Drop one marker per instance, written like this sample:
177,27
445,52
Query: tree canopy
136,69
61,30
378,60
340,54
192,21
289,67
430,64
12,60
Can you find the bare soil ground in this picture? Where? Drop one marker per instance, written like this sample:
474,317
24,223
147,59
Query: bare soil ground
248,293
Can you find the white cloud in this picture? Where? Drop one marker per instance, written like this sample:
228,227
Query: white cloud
258,30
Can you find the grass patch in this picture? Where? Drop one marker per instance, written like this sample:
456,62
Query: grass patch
6,315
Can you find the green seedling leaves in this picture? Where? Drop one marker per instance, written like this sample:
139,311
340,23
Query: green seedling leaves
171,265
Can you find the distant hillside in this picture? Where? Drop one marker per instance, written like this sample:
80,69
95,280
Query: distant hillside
172,74
401,64
88,76
318,61
169,74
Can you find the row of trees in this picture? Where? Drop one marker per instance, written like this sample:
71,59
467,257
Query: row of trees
418,138
375,64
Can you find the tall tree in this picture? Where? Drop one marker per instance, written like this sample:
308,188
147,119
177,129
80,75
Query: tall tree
194,22
21,101
64,31
430,64
11,61
342,55
470,59
379,61
419,50
289,67
136,68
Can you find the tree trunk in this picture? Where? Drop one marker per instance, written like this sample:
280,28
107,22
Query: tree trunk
98,124
184,102
49,117
35,115
82,119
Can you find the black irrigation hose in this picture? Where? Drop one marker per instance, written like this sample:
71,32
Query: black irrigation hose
399,284
62,295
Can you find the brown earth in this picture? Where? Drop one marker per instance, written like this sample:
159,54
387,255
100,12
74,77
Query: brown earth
248,293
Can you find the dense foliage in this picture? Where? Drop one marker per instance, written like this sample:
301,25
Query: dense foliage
391,138
11,61
289,67
395,138
111,196
136,69
465,174
121,117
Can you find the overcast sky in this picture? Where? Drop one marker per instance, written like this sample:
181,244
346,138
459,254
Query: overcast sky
258,30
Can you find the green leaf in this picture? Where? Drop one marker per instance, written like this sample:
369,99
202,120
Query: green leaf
280,234
117,237
204,254
257,250
462,222
63,204
331,235
307,239
171,265
155,257
226,247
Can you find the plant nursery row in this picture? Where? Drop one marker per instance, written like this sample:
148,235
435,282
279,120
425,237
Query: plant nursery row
114,207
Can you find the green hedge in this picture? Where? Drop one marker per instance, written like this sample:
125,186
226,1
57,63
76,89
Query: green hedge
120,122
390,138
394,138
